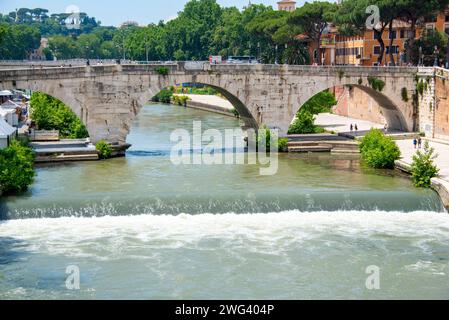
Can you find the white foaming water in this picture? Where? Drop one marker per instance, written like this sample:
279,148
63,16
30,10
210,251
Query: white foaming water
286,255
63,235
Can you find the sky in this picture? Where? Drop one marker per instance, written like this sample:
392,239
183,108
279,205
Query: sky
114,12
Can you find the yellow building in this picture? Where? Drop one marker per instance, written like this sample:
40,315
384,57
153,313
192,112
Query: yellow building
287,5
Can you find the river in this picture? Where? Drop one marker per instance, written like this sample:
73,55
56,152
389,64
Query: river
142,227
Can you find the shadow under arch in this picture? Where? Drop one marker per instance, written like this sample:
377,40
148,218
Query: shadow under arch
245,114
389,110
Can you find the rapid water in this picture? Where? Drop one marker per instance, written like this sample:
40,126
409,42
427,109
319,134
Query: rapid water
142,227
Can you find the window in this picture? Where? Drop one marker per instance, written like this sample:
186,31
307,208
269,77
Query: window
394,49
446,18
376,35
377,50
392,34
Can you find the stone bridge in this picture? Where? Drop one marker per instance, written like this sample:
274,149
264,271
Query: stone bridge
108,97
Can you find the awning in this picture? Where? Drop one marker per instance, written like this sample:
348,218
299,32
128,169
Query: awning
6,93
5,129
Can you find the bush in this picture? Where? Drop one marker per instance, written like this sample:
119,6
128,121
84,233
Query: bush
180,100
162,70
16,167
304,124
423,168
104,149
163,96
378,150
283,144
49,113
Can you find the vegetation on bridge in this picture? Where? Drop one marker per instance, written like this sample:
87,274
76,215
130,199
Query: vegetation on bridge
49,113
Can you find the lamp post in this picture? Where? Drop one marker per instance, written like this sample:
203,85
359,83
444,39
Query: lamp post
276,55
286,54
436,53
146,47
420,60
258,48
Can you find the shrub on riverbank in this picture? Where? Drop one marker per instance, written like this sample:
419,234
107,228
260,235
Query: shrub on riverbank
163,96
180,100
194,90
104,149
281,142
16,167
305,121
304,124
49,113
378,150
423,168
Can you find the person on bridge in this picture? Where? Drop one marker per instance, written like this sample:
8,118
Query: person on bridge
356,128
351,127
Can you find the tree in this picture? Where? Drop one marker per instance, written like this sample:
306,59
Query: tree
64,47
423,167
415,12
353,13
49,113
428,41
264,28
313,19
18,41
16,167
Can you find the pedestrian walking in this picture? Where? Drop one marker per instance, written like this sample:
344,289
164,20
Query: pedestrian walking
356,128
351,127
415,143
419,142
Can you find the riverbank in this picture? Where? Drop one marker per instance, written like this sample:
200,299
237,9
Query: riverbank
441,183
210,103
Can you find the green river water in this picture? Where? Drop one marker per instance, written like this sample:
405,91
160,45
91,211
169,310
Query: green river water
142,227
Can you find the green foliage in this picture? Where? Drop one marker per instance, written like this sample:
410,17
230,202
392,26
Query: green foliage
283,144
304,124
305,120
49,113
180,100
206,90
421,87
17,41
428,41
162,70
104,149
163,96
423,167
202,28
404,94
376,84
16,167
313,18
378,150
320,103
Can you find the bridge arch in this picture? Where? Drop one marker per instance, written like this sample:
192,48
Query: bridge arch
245,114
390,110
